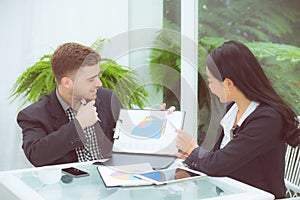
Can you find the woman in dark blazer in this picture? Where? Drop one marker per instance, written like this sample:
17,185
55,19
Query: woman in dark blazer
255,128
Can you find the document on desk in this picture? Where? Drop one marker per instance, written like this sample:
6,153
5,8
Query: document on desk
124,175
147,131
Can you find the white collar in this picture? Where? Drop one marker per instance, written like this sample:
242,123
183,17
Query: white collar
229,118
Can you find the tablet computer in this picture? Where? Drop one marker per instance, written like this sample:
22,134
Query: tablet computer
165,176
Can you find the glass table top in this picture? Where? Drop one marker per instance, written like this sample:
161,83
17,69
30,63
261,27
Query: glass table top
92,187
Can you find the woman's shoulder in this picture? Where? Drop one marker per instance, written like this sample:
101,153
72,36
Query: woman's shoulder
262,107
268,113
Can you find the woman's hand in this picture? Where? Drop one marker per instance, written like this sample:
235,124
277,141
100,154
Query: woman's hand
170,110
185,143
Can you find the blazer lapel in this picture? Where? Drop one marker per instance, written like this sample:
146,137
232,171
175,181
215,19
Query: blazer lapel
219,138
220,134
56,111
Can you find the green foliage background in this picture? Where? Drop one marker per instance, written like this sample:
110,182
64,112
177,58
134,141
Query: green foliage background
262,25
250,20
280,62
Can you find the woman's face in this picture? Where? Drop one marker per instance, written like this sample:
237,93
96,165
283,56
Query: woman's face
216,86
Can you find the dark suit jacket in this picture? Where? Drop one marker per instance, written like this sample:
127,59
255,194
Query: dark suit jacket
50,138
254,156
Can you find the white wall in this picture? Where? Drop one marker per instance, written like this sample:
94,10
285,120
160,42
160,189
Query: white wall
31,28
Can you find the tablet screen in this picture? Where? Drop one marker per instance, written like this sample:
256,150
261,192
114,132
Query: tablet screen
169,175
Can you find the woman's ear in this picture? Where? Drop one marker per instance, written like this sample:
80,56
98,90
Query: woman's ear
228,84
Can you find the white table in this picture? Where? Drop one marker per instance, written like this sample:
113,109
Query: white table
23,184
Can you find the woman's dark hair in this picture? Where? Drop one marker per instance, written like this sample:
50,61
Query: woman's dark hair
235,61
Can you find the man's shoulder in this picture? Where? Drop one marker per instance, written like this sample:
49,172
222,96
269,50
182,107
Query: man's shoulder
104,94
104,91
40,105
107,100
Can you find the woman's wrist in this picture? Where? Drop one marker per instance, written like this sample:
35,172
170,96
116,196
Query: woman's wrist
193,146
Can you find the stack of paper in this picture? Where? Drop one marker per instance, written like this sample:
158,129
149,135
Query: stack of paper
122,176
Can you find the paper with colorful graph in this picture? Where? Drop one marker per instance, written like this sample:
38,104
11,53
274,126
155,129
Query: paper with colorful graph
147,131
116,176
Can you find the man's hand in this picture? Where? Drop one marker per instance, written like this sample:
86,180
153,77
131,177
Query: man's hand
87,114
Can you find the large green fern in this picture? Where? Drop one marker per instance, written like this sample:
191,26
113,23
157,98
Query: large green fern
35,82
125,82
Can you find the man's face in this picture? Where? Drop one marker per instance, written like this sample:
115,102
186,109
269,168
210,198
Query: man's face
86,83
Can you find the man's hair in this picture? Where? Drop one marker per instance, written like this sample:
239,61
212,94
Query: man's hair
69,57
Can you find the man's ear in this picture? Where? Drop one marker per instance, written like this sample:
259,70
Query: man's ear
66,82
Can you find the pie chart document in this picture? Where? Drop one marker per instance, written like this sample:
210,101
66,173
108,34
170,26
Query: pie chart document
147,131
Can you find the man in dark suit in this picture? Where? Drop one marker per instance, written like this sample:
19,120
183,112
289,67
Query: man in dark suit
75,121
